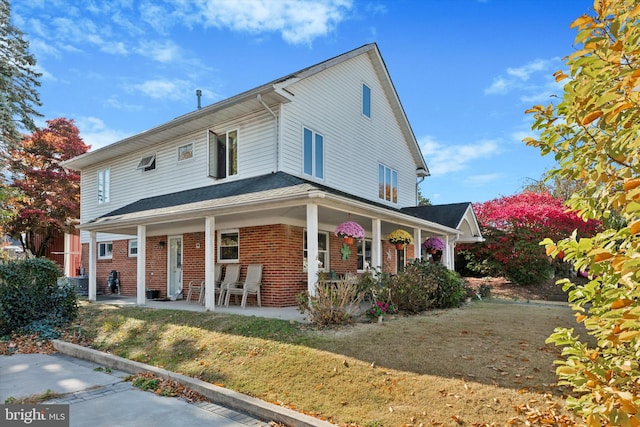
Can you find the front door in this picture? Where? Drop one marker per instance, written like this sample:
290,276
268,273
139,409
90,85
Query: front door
400,260
174,269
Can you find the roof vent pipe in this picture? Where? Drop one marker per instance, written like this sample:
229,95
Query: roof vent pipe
199,95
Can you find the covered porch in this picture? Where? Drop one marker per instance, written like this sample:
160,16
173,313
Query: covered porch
278,220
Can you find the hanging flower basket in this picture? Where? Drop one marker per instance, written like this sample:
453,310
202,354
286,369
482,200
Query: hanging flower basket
400,238
433,244
349,231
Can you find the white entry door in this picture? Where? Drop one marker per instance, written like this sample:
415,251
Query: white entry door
174,269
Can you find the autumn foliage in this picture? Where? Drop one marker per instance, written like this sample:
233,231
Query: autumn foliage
513,226
46,196
593,135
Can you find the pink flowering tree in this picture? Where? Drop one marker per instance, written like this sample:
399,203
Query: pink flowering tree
513,226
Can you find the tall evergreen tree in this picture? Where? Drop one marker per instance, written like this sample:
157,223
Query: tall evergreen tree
19,81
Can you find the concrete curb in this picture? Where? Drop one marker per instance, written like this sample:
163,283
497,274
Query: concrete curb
231,399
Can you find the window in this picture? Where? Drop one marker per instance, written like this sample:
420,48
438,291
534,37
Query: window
105,250
229,246
364,255
133,248
387,184
147,163
103,186
185,152
313,154
223,154
366,100
323,251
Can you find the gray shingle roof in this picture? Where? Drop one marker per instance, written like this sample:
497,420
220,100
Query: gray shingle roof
448,215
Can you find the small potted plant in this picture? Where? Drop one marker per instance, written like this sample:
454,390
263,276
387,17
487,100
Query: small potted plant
349,231
378,309
400,238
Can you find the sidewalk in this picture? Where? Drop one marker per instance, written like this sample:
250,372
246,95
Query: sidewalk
100,397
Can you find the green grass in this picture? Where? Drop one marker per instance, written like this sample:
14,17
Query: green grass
471,365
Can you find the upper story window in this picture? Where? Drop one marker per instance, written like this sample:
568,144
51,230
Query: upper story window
366,100
323,251
103,185
387,184
185,152
313,154
105,250
223,154
147,163
229,246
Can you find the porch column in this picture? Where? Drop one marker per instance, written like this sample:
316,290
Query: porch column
68,256
417,244
93,245
376,243
448,253
209,264
312,247
141,297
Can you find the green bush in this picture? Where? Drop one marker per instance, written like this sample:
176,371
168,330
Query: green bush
425,285
332,304
31,300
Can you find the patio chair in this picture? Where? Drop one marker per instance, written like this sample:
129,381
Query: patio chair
230,279
251,285
195,289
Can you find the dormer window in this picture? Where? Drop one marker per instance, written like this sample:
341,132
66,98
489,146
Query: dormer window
147,163
366,101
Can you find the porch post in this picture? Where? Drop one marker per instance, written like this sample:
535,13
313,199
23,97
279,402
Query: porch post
448,253
312,247
141,297
376,243
417,243
93,245
209,264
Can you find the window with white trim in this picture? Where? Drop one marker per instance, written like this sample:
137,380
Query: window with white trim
185,152
133,248
313,154
229,246
147,163
387,184
105,250
223,154
103,186
323,251
366,100
364,254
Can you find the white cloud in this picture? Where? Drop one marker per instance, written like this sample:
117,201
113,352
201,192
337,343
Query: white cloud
171,90
95,133
527,78
160,51
482,179
443,159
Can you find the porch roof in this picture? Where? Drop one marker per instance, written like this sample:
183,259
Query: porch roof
275,189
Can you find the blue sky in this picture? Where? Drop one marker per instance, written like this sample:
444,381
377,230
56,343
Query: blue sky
465,70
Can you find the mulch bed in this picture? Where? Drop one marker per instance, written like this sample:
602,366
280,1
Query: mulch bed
503,288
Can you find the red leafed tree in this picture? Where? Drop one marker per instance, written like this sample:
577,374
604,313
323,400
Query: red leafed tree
48,195
513,226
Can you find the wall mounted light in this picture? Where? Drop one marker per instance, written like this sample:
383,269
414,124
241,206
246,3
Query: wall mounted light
161,244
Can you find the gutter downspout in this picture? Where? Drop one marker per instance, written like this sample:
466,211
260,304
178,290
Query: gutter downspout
276,131
418,189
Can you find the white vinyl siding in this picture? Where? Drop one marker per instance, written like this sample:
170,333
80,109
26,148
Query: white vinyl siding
256,156
331,103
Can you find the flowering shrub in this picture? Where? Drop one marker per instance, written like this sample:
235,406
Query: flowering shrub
399,236
380,309
433,243
350,229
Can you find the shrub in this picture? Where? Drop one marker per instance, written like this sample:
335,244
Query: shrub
332,304
425,285
31,300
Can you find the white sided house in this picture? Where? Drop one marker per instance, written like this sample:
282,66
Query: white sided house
265,177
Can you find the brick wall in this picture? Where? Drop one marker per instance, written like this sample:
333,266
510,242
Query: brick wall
277,247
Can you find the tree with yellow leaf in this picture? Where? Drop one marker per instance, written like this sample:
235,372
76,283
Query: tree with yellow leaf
594,134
